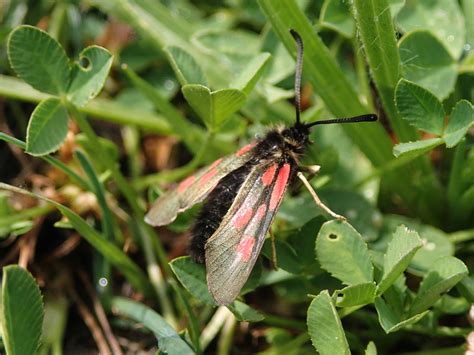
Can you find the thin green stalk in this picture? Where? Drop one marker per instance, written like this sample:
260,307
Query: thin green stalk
284,322
51,160
8,220
130,195
461,236
58,17
362,75
194,136
103,109
214,325
455,182
131,142
227,335
119,179
156,278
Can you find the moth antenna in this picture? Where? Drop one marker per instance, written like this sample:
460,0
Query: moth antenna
362,118
299,69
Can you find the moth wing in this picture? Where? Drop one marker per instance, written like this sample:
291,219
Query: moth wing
233,249
194,188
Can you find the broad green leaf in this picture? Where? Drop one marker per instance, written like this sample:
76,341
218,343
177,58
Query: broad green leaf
214,108
161,27
460,120
467,64
419,107
325,328
187,70
169,340
453,305
22,311
286,256
355,295
303,242
39,60
193,277
88,80
247,79
389,321
105,109
326,77
336,15
371,349
396,6
414,149
273,93
426,62
466,288
56,307
192,321
435,242
194,137
245,313
400,251
47,128
443,18
340,241
235,42
444,274
376,32
110,252
468,9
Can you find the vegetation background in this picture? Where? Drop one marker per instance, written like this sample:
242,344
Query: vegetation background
104,104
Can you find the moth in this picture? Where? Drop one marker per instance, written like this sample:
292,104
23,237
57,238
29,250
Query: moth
241,194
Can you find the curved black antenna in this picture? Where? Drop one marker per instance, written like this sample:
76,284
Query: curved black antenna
362,118
299,69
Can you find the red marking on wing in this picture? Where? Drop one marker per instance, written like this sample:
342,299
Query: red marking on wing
244,249
183,185
245,149
242,217
268,175
216,163
261,212
207,177
280,185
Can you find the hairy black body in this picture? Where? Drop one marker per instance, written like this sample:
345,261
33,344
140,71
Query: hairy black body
278,145
215,207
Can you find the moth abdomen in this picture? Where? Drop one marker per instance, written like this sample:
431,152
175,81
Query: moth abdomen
214,209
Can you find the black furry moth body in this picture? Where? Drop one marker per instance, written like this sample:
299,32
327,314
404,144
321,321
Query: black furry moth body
241,194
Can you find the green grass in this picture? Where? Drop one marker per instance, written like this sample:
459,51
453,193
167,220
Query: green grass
91,134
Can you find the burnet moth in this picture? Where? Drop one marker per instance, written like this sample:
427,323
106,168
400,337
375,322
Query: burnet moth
241,195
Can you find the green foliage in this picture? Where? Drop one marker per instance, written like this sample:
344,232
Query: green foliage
168,339
324,326
48,127
22,311
196,81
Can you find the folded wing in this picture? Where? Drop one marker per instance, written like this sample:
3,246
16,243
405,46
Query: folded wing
233,249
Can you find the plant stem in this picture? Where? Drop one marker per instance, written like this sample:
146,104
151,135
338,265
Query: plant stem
226,337
138,211
214,325
8,220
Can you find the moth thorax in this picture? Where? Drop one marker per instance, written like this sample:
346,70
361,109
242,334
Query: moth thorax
296,138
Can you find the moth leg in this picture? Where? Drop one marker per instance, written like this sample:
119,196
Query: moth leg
312,171
316,198
274,251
